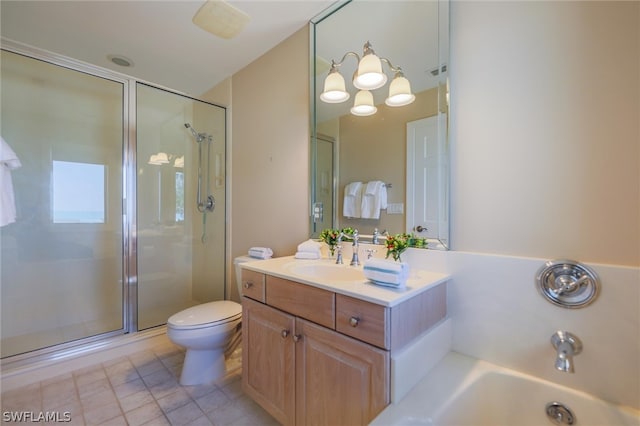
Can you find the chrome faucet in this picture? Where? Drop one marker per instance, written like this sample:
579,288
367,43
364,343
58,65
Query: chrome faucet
375,239
567,345
339,248
355,261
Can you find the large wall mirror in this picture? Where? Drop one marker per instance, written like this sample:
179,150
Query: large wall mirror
387,171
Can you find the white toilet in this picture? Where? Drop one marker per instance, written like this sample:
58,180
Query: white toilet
208,332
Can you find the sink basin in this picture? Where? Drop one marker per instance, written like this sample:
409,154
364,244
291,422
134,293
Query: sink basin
327,272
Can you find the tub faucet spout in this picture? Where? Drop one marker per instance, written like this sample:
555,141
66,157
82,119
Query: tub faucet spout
567,345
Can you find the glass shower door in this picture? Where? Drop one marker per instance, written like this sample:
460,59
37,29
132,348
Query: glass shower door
180,243
61,259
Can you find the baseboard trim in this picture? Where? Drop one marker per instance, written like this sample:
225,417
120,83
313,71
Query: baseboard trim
64,362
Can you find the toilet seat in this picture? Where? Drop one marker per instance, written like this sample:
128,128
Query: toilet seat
206,315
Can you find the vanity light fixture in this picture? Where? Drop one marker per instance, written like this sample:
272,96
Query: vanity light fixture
369,76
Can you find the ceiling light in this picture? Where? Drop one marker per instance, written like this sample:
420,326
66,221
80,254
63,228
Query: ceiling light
363,104
221,19
369,76
334,87
120,60
400,91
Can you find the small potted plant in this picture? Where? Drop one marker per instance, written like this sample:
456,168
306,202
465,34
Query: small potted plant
331,236
396,244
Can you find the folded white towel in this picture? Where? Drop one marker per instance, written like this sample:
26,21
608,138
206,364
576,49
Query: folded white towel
307,255
260,252
310,246
8,161
386,272
374,199
352,200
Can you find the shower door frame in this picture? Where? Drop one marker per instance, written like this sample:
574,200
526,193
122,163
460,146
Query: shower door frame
129,211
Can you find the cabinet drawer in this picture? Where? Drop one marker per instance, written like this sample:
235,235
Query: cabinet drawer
253,285
363,320
302,300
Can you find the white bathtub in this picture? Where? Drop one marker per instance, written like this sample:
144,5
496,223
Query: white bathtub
465,391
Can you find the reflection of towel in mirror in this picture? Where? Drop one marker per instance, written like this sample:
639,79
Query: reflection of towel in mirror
8,161
374,198
352,199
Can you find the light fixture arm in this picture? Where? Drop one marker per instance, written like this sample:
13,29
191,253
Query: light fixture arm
335,65
391,66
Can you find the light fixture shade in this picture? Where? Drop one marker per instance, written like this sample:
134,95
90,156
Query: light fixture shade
400,92
370,75
334,89
363,104
179,162
153,159
163,158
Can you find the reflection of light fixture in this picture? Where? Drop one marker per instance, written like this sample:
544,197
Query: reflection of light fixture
159,159
369,76
179,162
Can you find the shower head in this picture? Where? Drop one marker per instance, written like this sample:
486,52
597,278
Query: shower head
193,131
200,137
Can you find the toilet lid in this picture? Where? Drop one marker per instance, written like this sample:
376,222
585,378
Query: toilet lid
206,314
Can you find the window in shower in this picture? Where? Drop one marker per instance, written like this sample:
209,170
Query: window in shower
69,180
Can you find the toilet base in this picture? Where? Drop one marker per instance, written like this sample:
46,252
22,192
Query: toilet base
202,367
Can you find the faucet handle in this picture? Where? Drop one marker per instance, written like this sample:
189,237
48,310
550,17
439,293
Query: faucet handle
370,253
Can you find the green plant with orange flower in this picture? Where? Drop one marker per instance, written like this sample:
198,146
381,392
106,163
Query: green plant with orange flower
331,237
396,244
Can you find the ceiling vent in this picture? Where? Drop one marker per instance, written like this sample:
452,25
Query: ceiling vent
436,72
220,18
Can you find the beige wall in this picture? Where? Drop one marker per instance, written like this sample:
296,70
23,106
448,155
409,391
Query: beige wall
545,134
270,150
545,106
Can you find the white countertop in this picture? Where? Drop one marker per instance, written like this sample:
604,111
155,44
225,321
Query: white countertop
285,267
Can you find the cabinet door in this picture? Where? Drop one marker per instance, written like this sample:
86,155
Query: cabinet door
268,366
340,381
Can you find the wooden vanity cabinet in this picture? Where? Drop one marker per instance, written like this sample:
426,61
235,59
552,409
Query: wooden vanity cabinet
299,368
343,381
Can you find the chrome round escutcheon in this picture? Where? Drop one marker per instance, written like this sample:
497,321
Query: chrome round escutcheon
568,283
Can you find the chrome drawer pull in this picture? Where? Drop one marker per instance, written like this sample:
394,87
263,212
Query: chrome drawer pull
354,321
297,337
248,284
284,333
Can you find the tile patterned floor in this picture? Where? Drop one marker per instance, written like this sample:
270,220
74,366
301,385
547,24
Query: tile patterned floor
139,389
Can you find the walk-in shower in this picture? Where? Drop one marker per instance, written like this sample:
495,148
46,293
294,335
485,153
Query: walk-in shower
113,200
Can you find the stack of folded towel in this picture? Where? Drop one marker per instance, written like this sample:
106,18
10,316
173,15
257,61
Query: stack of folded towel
260,252
309,249
386,272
